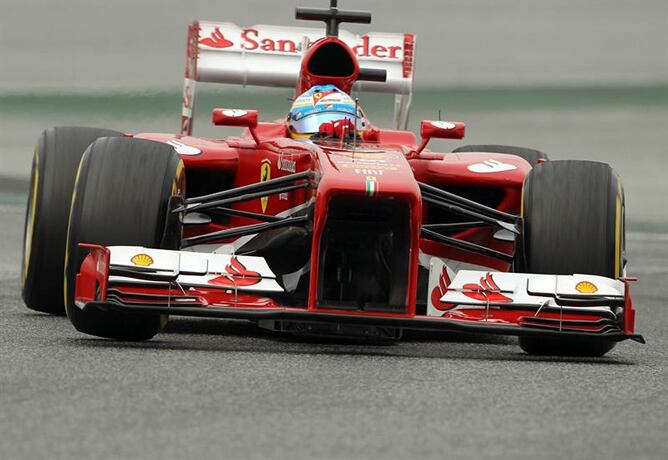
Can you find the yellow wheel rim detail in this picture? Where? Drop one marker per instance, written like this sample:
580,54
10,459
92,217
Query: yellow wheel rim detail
30,225
618,237
69,226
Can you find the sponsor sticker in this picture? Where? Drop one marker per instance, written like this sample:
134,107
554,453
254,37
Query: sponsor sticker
237,275
371,185
287,165
318,96
443,124
586,287
263,39
490,166
369,172
363,164
234,113
216,40
142,260
487,290
361,154
183,149
188,98
439,290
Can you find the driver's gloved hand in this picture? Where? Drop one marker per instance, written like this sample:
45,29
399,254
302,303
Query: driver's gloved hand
337,128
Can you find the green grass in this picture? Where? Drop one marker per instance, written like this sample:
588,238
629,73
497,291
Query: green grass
13,198
142,104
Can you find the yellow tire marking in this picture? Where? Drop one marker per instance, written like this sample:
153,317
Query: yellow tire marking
30,228
618,236
177,178
69,226
179,170
175,191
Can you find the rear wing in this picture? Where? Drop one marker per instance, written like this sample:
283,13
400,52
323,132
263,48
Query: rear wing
262,55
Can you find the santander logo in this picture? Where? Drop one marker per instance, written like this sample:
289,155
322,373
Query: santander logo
252,39
237,275
216,40
439,291
486,291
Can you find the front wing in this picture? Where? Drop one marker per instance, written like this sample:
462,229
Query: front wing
142,280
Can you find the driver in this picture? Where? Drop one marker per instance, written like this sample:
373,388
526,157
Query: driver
325,111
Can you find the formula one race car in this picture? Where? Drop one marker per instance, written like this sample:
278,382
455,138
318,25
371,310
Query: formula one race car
323,223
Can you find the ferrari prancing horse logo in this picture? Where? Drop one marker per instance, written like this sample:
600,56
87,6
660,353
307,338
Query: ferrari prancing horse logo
265,175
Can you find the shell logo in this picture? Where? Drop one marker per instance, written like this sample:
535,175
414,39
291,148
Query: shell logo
586,287
143,260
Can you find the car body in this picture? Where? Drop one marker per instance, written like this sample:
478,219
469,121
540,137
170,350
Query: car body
361,238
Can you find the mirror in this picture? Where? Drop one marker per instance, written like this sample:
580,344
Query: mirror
442,129
236,117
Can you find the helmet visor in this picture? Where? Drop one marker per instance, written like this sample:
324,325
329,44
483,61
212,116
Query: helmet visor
310,124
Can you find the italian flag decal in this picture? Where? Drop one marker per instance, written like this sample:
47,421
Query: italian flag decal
371,185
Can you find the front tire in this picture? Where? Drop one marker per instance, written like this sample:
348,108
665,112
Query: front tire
54,168
123,195
573,223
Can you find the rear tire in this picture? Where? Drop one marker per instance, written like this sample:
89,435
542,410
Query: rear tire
54,168
533,157
573,223
123,195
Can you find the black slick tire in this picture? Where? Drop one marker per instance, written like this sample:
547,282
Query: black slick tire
123,195
54,169
573,223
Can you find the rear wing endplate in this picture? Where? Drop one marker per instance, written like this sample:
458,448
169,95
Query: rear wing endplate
263,55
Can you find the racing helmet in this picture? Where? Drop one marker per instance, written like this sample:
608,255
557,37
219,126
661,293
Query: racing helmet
324,105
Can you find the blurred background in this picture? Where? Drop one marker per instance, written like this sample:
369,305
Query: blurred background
575,78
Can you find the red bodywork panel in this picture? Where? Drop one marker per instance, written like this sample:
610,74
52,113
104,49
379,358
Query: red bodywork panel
371,171
241,159
386,167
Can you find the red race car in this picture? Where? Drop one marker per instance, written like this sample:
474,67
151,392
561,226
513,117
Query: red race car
323,223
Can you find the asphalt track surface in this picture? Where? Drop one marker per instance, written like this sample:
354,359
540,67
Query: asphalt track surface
215,389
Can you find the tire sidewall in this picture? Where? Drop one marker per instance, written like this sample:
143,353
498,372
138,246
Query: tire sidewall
55,162
105,323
